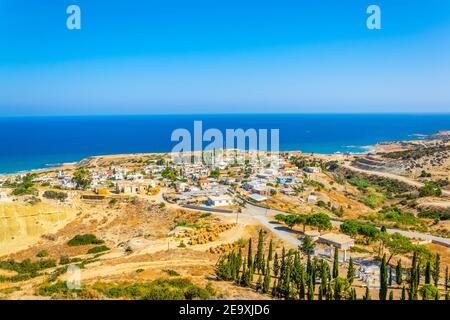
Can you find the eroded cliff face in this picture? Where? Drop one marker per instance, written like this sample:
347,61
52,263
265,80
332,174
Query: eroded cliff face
22,225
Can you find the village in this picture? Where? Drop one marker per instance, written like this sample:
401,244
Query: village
253,188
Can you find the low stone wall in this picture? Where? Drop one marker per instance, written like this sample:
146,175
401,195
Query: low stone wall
209,209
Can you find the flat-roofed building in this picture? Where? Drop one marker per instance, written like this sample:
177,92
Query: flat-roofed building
220,201
339,240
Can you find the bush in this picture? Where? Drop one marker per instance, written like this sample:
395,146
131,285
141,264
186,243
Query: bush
205,215
161,289
373,200
430,189
27,266
98,249
429,292
56,195
171,272
80,240
353,228
66,260
42,254
436,215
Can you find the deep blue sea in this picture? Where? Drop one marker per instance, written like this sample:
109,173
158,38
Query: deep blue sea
35,142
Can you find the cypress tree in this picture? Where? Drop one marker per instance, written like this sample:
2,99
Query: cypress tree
412,293
329,292
352,294
437,269
428,273
243,274
311,289
276,265
390,275
324,276
270,250
391,295
266,284
263,265
336,263
367,294
287,283
260,251
351,271
398,272
250,255
302,291
274,288
383,279
403,293
446,278
259,284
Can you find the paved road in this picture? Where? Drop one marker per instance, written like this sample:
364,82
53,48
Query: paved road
397,177
262,215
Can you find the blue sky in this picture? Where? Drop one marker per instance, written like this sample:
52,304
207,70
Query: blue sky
203,56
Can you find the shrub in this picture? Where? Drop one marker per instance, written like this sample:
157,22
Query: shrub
205,215
430,189
80,240
66,260
98,249
56,195
373,200
42,254
171,272
429,292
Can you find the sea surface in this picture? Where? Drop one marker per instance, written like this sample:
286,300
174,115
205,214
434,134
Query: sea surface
28,143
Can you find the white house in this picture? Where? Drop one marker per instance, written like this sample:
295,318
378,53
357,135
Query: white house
312,169
257,197
312,198
220,201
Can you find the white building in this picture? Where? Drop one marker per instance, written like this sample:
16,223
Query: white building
220,201
312,198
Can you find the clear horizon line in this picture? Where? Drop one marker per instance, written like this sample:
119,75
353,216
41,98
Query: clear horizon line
217,114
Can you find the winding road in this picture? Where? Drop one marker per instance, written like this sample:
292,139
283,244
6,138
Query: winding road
265,217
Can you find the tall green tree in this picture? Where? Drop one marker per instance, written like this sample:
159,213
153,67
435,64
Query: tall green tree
336,263
414,275
403,293
391,295
307,246
82,178
276,265
428,272
367,294
250,255
259,264
266,284
383,279
351,271
269,258
436,269
340,287
446,278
